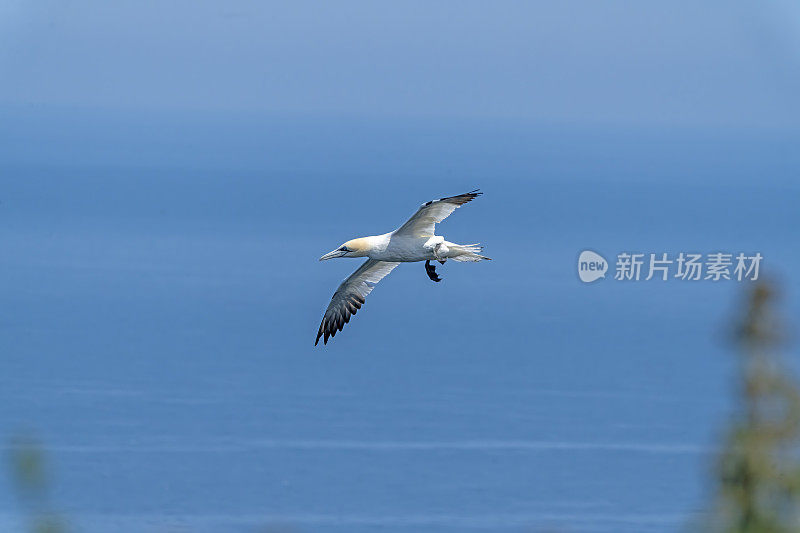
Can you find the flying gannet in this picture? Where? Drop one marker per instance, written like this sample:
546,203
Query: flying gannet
413,241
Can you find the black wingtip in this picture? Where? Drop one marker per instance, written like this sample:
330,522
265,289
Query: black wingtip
468,196
319,332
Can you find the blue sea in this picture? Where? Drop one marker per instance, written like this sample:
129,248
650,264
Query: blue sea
161,293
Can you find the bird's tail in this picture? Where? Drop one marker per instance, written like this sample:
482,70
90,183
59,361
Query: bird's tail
468,252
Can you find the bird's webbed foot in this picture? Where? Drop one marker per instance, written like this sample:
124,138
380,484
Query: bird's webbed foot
431,271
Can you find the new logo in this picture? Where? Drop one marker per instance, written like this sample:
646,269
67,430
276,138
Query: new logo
591,266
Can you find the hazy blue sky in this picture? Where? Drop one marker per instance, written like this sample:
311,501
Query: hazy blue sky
643,63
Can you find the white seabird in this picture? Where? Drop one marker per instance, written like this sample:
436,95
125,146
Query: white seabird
413,241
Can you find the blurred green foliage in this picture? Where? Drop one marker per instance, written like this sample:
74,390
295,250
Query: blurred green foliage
758,472
29,475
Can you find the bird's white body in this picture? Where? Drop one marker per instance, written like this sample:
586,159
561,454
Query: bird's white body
413,241
407,249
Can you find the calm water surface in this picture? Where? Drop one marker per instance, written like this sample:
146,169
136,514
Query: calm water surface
157,336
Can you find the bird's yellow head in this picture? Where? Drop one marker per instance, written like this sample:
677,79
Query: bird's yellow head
352,248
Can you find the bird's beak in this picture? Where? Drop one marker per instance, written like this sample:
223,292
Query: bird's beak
332,255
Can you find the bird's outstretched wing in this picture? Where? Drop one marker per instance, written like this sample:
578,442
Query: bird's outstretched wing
350,296
423,223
